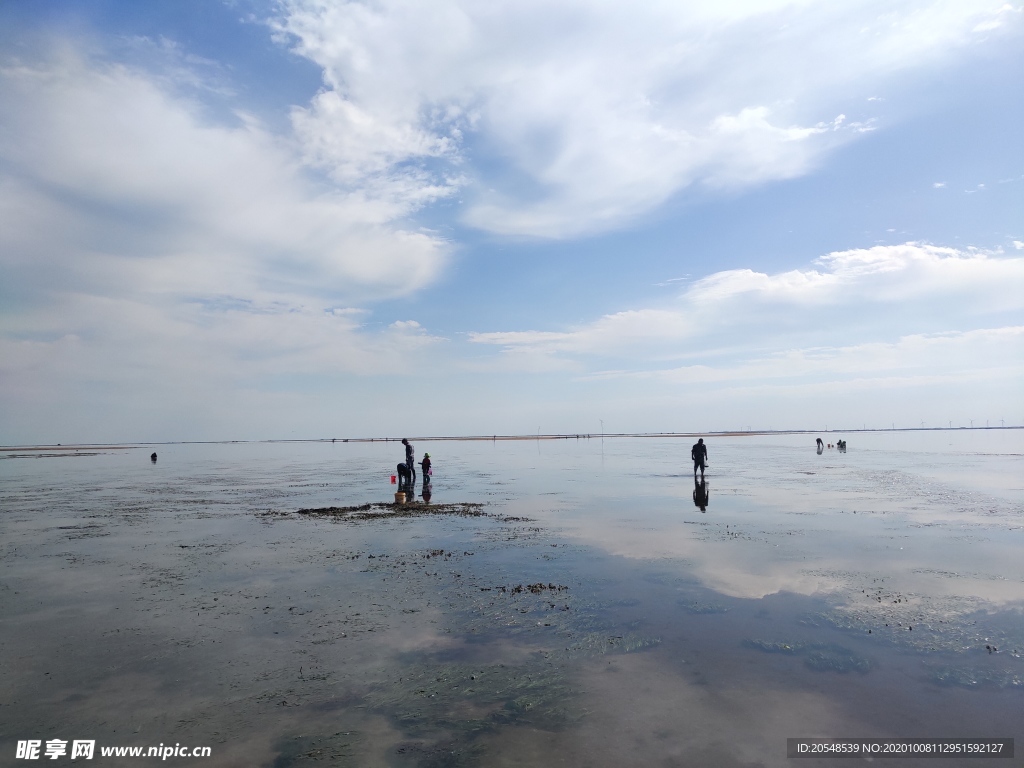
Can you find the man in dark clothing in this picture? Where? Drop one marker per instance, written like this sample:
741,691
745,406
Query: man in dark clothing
410,458
404,480
699,454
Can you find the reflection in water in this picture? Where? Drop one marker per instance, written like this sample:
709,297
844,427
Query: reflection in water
701,493
579,619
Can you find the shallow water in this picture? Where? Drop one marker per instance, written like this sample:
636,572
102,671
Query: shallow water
594,615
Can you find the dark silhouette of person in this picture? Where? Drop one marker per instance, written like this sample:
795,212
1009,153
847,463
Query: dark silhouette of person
699,454
701,493
410,458
152,457
820,445
404,478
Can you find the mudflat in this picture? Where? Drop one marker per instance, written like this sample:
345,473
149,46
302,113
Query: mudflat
555,601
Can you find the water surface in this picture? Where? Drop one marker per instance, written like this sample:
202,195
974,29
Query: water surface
593,615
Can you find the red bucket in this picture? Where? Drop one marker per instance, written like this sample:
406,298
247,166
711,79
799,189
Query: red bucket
394,479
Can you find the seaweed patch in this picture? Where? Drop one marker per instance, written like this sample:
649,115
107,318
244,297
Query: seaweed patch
383,511
823,657
970,677
700,608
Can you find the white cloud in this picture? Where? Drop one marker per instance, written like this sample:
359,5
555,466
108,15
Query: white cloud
569,120
152,254
979,355
129,341
115,182
866,278
154,249
878,292
99,368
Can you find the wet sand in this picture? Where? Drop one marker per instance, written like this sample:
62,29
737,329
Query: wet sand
554,604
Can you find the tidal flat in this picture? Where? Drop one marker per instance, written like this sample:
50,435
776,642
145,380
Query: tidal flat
557,602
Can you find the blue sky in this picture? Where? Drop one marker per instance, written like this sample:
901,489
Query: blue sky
248,220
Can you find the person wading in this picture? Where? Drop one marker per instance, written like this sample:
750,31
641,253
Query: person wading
426,468
410,459
699,454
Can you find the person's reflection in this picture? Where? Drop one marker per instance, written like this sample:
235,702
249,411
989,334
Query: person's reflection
701,493
425,492
821,448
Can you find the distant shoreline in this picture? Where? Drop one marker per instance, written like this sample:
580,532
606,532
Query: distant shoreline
496,438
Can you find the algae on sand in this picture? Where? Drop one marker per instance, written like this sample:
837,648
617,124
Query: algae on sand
823,657
379,510
443,709
699,607
971,677
469,698
945,624
339,748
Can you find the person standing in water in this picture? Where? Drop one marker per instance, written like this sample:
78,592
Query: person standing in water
410,458
699,454
426,469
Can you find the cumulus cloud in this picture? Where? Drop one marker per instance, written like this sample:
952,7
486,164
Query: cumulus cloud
893,274
156,238
563,121
112,178
148,246
872,295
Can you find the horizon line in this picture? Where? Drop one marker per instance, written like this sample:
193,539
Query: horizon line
497,437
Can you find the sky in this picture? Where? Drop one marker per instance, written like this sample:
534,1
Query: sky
248,220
